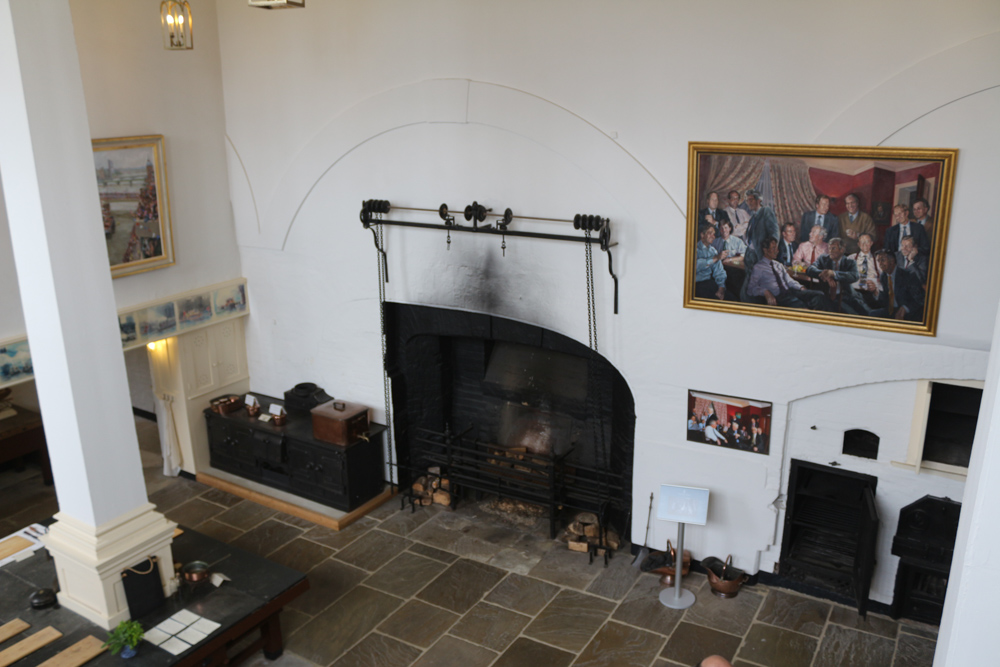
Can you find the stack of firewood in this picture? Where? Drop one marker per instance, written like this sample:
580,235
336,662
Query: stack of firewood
432,488
584,531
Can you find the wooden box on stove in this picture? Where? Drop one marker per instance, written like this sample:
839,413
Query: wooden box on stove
289,457
339,422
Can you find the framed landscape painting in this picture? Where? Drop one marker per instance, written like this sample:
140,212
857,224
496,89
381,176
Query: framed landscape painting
851,236
135,208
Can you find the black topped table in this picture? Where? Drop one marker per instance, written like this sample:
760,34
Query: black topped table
251,601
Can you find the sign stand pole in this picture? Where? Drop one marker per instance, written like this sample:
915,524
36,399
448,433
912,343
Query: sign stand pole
680,597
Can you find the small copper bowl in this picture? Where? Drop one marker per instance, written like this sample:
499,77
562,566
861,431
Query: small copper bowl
195,571
253,410
279,420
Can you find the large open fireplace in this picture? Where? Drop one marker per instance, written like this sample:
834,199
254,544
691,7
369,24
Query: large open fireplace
468,388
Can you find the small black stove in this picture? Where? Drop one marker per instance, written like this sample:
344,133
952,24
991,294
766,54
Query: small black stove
925,544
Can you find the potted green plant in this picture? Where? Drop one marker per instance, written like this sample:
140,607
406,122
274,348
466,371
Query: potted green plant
125,638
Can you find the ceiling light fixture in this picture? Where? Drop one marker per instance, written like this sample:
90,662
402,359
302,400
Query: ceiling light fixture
277,4
175,19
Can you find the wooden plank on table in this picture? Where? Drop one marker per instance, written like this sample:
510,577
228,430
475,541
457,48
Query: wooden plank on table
12,545
8,630
29,645
87,648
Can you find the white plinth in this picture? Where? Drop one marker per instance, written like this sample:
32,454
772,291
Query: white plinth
89,561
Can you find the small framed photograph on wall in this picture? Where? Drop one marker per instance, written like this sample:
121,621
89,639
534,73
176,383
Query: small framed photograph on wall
843,235
135,206
728,421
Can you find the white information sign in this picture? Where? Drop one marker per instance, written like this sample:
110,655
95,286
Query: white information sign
683,504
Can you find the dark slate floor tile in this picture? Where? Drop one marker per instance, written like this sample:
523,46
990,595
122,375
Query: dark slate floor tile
461,586
733,615
405,575
443,531
570,620
794,612
777,647
843,647
912,651
245,515
329,635
219,531
338,539
690,643
179,491
642,607
292,620
523,594
386,510
522,556
377,650
267,537
490,626
452,652
878,625
919,629
296,521
524,652
328,581
405,522
567,568
418,623
373,550
193,512
617,645
301,554
220,497
617,579
431,552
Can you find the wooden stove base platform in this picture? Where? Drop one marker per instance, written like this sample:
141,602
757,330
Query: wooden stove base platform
280,505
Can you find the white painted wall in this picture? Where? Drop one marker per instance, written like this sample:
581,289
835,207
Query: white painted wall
133,86
559,108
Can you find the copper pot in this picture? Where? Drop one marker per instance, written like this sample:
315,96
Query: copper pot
668,571
195,571
724,579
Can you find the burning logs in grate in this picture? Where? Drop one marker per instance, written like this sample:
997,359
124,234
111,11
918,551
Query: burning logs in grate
584,532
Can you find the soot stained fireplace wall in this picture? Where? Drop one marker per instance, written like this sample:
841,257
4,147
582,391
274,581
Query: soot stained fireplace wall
508,383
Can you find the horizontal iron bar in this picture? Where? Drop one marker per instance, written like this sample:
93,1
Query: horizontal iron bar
490,230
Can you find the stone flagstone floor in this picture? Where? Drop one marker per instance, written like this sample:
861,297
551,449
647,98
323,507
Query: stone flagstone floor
466,588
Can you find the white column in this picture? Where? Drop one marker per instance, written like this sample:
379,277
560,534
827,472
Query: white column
969,622
106,523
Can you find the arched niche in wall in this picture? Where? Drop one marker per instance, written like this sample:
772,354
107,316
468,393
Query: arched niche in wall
859,442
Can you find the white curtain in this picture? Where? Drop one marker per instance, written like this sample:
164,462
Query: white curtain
169,444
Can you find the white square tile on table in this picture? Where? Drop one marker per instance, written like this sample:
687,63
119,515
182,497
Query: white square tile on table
206,626
185,617
192,636
170,626
156,636
175,646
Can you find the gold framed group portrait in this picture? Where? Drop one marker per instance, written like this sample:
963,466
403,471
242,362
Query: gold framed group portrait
843,235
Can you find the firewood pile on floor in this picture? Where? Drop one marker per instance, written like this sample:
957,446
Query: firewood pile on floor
584,532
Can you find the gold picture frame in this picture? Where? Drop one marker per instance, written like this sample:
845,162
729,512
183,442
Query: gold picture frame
864,188
135,204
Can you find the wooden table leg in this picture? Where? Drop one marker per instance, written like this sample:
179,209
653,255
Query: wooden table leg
270,632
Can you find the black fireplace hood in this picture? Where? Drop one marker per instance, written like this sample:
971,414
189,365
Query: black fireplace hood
536,377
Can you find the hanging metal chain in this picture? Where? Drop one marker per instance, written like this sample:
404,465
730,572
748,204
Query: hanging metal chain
596,408
386,385
591,307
